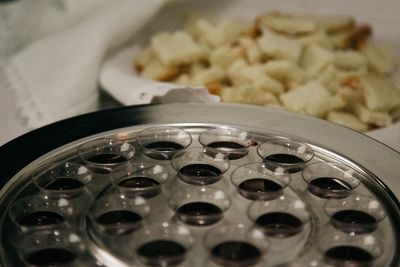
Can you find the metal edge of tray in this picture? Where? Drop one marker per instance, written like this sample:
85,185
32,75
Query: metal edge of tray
379,159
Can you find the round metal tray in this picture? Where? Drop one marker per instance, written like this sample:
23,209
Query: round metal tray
378,162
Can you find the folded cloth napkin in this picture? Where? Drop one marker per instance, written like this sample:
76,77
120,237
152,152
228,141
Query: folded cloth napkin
55,77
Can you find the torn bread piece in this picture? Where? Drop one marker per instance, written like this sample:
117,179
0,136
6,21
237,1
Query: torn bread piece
328,22
279,46
286,24
212,75
249,95
156,70
285,71
311,99
381,58
378,118
352,38
348,120
242,74
225,32
176,48
251,50
225,55
351,96
380,93
316,59
350,60
320,38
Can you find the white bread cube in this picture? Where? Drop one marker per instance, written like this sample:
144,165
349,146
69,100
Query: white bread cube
226,32
316,59
380,93
156,70
329,77
351,96
285,71
212,75
377,118
330,23
176,48
249,95
286,24
348,120
312,99
320,38
251,49
381,58
350,60
242,74
279,46
225,55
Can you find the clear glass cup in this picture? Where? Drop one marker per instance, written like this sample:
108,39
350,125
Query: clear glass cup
343,249
104,154
355,214
255,181
331,180
233,142
285,153
236,245
200,166
283,217
64,180
51,248
33,213
164,244
200,206
139,179
161,143
115,214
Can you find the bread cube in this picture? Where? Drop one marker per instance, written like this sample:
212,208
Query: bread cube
286,24
381,59
350,60
208,76
316,59
225,55
285,71
176,48
312,99
377,118
279,46
251,50
348,120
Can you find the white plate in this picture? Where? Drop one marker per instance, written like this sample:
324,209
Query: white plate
118,78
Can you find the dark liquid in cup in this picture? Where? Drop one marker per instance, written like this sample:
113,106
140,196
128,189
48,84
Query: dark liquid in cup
62,184
199,213
236,253
232,149
107,158
161,253
50,257
348,256
146,187
41,218
327,187
163,150
355,221
119,221
282,158
260,189
279,224
200,173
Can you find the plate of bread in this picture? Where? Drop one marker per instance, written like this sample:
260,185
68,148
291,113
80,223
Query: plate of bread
332,60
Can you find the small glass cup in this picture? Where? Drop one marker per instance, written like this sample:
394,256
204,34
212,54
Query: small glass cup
104,154
139,179
255,181
51,248
233,142
331,180
161,143
283,217
355,214
200,166
342,249
164,244
200,207
236,245
285,153
116,215
65,180
33,213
